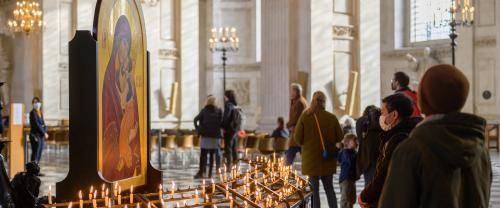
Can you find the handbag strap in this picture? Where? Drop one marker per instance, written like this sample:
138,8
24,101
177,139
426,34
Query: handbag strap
319,130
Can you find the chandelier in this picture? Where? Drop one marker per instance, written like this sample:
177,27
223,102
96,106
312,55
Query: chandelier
27,17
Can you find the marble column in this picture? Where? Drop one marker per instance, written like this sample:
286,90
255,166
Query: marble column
189,61
369,53
27,67
276,61
322,73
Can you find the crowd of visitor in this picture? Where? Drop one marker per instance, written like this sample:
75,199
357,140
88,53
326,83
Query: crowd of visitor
415,150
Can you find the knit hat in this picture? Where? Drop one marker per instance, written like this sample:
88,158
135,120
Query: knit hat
443,89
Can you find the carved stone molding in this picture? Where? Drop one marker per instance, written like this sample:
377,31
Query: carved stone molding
170,53
63,66
236,67
343,32
486,42
440,51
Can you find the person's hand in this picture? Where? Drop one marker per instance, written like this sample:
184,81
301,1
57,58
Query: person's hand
361,203
46,136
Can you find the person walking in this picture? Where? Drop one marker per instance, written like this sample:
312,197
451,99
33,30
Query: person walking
208,124
368,131
38,131
297,105
348,177
400,84
444,162
397,123
316,128
231,126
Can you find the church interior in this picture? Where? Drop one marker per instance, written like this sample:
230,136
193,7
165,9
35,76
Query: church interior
133,99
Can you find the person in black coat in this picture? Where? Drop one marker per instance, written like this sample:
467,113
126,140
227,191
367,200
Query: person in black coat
38,131
230,130
208,125
26,187
6,191
368,131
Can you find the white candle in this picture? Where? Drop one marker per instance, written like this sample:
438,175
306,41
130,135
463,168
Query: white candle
213,186
131,194
160,192
119,195
91,192
80,197
50,194
227,192
173,189
203,188
231,202
70,205
196,199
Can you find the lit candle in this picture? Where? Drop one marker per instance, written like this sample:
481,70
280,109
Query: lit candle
220,176
177,204
227,192
203,188
119,195
160,192
196,199
149,204
173,189
103,189
213,32
213,186
245,204
106,197
115,190
231,202
80,197
70,205
94,201
131,194
91,192
137,205
472,14
50,194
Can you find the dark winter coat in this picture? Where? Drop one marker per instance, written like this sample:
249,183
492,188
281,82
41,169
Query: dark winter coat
442,164
297,106
229,114
390,140
37,124
208,122
368,131
347,160
280,132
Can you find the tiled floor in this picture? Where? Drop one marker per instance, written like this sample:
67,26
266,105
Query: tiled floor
181,166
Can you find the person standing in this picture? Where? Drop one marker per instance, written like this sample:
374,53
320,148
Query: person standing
400,84
368,131
397,123
314,127
348,177
297,105
38,130
231,127
1,112
444,163
208,125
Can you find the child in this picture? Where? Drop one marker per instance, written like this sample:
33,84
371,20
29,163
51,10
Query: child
280,131
347,179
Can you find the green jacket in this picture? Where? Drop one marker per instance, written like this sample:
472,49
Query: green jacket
307,136
442,164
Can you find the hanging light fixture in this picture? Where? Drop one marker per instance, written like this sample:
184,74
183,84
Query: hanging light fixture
150,2
27,17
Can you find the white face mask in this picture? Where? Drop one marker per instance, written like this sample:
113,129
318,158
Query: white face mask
383,122
37,105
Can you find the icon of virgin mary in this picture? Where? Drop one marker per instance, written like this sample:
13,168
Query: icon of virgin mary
120,118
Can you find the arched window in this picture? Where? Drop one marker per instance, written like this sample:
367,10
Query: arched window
429,20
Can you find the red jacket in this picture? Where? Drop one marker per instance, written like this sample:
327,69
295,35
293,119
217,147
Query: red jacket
413,96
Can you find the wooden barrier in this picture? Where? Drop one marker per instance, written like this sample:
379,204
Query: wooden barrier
16,145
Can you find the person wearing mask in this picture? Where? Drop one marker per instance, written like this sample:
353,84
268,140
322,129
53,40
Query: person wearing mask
397,123
400,84
281,131
230,127
297,105
208,125
444,162
314,127
38,131
368,131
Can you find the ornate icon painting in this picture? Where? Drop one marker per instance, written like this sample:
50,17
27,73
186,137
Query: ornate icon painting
122,92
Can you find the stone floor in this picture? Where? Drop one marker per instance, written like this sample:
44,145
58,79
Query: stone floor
181,165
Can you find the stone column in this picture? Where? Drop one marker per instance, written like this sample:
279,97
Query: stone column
322,73
189,61
369,53
27,67
276,61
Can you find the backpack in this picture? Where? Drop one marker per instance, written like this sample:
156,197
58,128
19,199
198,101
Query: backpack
238,119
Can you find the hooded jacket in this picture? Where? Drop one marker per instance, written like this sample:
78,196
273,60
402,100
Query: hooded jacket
390,140
443,164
